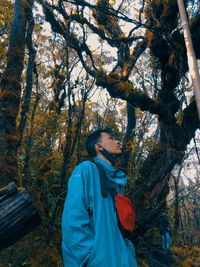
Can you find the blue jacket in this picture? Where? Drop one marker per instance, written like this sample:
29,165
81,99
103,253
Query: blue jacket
90,233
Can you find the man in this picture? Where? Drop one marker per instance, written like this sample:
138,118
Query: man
90,232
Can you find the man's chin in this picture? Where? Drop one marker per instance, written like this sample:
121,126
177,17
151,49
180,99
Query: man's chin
117,154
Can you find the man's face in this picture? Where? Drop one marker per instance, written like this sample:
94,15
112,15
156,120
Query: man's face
111,144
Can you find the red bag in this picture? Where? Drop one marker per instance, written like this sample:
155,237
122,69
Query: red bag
126,212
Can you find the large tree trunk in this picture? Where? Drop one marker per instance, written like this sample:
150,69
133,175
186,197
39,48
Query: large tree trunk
18,215
11,92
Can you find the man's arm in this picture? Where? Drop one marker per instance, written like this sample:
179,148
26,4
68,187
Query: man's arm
76,232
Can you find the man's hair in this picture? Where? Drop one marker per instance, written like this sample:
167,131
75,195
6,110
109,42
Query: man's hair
93,138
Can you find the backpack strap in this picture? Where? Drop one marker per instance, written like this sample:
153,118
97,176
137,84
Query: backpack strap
103,179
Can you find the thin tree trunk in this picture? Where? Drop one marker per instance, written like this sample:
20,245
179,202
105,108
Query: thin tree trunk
176,204
192,62
29,77
28,146
129,135
131,122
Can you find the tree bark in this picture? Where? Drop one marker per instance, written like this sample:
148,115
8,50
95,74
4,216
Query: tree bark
18,215
31,68
10,94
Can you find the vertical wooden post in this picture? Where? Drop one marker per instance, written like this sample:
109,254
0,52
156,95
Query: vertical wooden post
192,62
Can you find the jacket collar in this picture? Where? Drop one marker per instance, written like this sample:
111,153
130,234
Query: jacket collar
115,175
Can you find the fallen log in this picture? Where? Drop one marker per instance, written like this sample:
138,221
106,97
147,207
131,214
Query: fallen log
18,215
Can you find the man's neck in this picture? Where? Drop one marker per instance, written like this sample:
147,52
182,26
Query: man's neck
99,155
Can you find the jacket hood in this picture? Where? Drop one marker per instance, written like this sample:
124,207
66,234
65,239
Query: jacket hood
115,175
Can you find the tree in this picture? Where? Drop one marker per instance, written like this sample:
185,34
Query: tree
11,93
165,41
185,197
5,20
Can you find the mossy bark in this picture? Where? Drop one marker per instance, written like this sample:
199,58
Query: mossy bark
10,94
151,187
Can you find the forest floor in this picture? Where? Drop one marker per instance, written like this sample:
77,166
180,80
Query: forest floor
33,251
188,256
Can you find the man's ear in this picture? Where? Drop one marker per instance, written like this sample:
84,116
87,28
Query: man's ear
98,147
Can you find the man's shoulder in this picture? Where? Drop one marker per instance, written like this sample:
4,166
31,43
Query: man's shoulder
85,166
84,171
85,163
